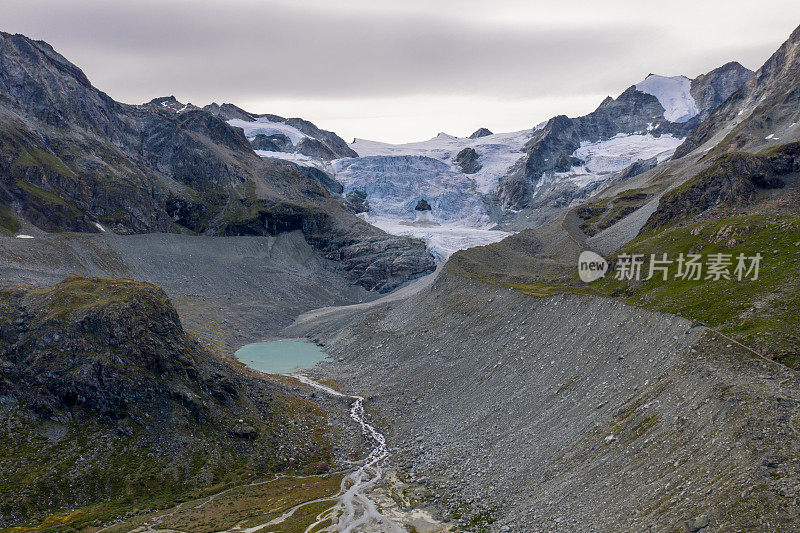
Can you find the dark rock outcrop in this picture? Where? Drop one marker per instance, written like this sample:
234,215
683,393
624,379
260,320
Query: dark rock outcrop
639,166
104,369
114,349
467,160
422,205
732,181
271,143
480,132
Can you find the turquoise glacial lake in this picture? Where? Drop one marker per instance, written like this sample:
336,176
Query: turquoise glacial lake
280,357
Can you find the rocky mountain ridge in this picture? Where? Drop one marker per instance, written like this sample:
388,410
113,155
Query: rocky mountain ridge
314,142
552,149
73,159
763,112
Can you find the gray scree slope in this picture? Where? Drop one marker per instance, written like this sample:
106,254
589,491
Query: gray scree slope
573,413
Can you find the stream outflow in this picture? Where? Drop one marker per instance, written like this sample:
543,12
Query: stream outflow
354,511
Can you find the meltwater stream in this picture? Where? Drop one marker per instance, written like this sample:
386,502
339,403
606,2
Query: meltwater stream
354,511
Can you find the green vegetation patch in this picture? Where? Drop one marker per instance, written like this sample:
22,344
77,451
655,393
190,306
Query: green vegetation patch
33,157
601,214
248,506
761,314
77,293
9,224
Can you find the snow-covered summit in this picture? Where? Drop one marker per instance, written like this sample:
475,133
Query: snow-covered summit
674,95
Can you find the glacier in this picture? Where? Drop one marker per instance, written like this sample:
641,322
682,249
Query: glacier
497,153
602,159
674,95
395,183
394,177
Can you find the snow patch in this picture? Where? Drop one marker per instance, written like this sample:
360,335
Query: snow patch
99,226
673,94
23,236
299,159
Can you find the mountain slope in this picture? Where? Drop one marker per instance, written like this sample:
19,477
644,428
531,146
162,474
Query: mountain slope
763,112
107,403
272,133
73,159
648,120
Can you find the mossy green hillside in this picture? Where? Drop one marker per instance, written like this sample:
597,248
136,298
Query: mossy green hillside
761,314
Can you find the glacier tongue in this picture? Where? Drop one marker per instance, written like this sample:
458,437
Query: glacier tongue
395,183
442,240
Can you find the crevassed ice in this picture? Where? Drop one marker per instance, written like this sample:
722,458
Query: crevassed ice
394,184
603,158
497,153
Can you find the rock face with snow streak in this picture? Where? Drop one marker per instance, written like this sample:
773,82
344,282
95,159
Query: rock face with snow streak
763,113
304,137
711,90
654,115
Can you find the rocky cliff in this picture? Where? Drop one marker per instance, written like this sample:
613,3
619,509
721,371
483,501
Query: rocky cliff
97,373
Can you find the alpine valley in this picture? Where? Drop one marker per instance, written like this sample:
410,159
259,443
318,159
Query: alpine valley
471,381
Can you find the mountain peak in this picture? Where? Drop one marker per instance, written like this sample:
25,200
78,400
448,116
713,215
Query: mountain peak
480,132
674,95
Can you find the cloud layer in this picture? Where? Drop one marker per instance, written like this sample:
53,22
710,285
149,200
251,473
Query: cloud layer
332,55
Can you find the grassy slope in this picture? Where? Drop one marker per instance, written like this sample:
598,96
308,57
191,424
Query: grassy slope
761,314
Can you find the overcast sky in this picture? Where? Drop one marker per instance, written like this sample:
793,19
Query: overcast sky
399,70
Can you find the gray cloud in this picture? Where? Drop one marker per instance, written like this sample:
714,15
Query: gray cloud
251,49
323,51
